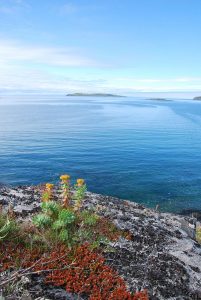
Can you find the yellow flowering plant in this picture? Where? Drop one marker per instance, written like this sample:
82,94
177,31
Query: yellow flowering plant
48,192
65,189
80,190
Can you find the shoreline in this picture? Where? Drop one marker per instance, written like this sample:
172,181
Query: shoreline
186,212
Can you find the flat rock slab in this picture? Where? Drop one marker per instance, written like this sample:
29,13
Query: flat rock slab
162,255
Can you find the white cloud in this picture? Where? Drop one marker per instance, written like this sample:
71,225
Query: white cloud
13,52
42,68
23,79
35,67
188,79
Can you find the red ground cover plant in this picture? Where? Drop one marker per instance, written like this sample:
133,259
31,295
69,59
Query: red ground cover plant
79,270
14,256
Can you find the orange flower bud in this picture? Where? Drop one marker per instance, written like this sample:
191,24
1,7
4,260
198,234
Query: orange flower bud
49,186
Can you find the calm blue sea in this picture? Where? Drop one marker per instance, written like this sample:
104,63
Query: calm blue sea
137,149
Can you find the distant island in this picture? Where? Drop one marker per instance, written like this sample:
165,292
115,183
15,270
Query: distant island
197,98
159,99
94,95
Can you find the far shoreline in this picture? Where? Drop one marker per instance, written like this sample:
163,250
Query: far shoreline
93,95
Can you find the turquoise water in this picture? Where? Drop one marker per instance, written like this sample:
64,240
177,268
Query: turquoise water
142,150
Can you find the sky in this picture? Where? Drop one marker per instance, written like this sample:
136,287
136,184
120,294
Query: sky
127,47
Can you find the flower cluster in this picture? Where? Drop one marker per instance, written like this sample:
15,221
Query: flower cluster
80,182
65,178
66,192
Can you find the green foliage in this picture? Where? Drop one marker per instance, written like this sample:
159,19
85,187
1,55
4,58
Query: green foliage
58,224
50,208
5,229
79,195
42,220
8,228
80,192
71,224
66,216
89,218
57,221
65,225
64,235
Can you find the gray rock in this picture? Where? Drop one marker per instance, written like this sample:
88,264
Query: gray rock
161,256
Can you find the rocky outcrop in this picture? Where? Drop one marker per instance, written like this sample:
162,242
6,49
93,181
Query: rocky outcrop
161,255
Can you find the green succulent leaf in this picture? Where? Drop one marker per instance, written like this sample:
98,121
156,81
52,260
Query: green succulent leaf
64,235
58,224
50,207
42,220
67,216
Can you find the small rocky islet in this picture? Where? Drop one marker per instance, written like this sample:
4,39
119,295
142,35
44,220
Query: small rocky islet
162,256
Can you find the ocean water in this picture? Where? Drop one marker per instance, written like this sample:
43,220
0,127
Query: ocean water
148,151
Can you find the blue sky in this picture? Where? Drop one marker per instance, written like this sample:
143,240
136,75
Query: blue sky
126,47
